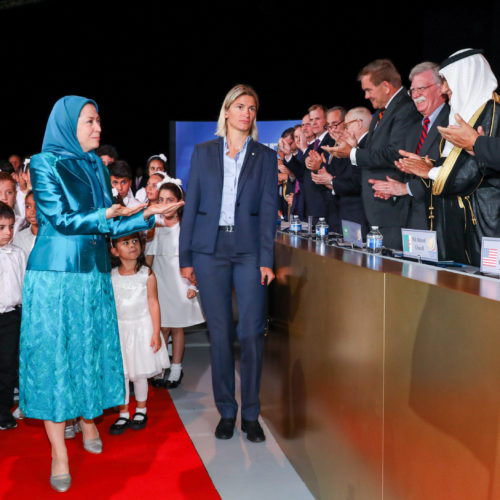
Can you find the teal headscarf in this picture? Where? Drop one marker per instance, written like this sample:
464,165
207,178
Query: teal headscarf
60,139
60,133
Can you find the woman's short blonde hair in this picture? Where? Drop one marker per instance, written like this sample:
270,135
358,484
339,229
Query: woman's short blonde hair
231,96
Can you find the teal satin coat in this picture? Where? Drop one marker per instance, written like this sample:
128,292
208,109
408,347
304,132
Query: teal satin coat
71,200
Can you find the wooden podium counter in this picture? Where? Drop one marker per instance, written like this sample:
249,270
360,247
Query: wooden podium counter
381,378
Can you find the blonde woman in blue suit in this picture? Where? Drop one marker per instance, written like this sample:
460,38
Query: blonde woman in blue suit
226,241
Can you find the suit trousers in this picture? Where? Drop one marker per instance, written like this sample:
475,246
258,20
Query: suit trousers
10,325
217,274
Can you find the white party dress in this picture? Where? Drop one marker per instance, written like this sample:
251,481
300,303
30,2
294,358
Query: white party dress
135,326
177,311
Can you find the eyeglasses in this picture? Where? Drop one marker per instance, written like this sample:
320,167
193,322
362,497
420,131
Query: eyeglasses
346,124
419,89
334,124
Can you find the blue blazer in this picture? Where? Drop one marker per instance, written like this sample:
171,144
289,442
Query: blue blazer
256,207
71,202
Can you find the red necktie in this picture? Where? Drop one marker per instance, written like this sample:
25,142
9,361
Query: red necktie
423,135
381,113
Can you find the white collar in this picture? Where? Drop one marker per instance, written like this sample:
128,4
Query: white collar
393,96
7,248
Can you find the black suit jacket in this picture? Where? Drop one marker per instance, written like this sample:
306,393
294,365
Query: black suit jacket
346,203
487,150
315,195
418,217
377,161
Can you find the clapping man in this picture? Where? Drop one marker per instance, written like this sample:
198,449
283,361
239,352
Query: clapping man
393,117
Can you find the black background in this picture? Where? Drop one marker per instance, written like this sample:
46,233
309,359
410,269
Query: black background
147,63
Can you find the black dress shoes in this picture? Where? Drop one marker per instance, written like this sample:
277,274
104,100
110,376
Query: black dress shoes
225,428
254,430
172,384
120,426
7,421
138,421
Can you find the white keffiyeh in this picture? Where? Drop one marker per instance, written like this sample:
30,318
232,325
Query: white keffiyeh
472,84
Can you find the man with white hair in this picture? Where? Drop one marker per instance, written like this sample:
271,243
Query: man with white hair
341,176
423,139
470,188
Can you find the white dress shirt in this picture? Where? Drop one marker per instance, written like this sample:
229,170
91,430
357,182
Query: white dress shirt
130,200
141,196
25,240
12,268
19,207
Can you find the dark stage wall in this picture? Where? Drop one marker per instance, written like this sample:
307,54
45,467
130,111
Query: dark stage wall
149,63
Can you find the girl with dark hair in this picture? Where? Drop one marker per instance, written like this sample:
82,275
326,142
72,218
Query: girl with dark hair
179,304
155,163
138,312
25,238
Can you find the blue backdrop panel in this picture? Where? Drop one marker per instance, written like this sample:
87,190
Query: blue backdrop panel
187,134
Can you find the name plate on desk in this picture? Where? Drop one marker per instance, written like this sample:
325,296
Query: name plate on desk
490,252
420,244
351,232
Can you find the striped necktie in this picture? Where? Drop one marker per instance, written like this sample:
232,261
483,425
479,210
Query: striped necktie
381,113
423,135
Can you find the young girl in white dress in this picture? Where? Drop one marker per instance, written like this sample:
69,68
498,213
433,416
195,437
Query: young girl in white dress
138,312
179,304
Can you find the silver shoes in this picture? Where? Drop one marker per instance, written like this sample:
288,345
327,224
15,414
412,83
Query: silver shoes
18,414
69,432
61,482
93,445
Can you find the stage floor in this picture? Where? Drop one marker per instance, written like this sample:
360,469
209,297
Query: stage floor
238,468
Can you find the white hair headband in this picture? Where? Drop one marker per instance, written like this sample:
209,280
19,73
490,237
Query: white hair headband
161,155
167,180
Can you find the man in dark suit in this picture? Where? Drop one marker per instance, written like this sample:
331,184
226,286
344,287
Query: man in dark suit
341,176
227,241
286,180
393,117
423,139
315,196
302,136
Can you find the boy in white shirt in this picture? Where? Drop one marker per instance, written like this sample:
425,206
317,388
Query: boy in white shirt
8,195
121,181
12,268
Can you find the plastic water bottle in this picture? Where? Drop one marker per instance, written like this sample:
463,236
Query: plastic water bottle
374,240
321,229
295,225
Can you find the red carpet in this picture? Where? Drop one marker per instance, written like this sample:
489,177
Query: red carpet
157,462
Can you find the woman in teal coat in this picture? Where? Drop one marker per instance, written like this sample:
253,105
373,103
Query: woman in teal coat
70,359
